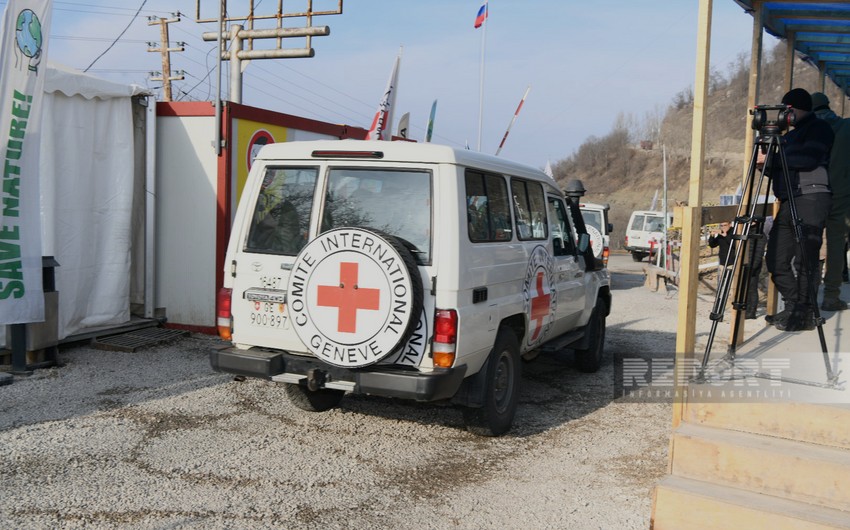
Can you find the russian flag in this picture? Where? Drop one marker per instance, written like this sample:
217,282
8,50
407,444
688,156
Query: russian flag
481,16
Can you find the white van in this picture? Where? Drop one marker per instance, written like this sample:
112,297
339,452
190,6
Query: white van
407,270
596,220
645,232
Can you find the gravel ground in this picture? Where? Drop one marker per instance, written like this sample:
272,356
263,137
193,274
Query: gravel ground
155,439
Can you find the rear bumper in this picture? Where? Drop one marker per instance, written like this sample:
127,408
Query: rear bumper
644,250
442,383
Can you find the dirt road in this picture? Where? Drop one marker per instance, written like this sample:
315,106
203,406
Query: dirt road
155,439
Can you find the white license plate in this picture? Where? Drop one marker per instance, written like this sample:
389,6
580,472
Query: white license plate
269,315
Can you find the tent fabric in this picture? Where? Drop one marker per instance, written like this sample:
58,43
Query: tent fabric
60,78
87,198
87,195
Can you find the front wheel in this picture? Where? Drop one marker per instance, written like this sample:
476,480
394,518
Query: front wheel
313,400
589,360
502,389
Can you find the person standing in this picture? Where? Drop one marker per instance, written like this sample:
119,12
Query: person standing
838,219
793,267
722,240
757,247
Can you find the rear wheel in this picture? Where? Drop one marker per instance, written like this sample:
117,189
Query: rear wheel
313,400
590,359
638,256
502,389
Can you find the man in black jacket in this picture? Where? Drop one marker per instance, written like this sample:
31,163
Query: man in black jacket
807,148
723,239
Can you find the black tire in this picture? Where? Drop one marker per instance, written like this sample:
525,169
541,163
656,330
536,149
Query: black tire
589,360
418,294
638,256
313,400
501,394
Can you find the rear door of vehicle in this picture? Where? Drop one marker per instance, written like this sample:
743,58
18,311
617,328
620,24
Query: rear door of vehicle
637,233
274,227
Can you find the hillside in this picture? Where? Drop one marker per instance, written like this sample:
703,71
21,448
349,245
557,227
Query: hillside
625,167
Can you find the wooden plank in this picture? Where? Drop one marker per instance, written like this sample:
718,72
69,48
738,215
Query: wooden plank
683,504
806,422
786,469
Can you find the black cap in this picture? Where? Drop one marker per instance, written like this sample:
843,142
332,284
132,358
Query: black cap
799,99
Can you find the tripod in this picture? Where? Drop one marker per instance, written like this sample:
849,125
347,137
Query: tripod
747,229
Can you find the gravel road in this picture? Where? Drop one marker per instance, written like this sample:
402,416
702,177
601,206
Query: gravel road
155,439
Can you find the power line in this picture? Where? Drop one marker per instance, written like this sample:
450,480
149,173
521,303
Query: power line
118,37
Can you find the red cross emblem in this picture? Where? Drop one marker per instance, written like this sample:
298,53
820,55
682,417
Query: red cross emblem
539,306
348,297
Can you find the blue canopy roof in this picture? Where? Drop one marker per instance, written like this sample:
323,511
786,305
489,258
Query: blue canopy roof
821,33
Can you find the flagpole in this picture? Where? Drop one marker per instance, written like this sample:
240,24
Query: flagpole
481,76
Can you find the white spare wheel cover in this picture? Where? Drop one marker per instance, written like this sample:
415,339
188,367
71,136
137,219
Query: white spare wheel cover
354,296
596,241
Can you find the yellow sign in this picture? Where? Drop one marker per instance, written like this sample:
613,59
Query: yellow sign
250,137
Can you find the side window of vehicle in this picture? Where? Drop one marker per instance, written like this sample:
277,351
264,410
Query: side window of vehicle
488,213
281,219
530,209
562,233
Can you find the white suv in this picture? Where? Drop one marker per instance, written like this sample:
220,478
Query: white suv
408,270
596,220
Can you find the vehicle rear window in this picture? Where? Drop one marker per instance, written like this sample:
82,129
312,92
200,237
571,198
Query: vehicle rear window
281,220
393,201
637,222
593,218
655,223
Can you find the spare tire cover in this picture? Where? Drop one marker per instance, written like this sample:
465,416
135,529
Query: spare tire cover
354,296
596,241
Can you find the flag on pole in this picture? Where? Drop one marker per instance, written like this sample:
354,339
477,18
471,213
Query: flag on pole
548,169
26,25
404,125
430,130
381,128
482,15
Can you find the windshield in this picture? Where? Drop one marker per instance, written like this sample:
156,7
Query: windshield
397,202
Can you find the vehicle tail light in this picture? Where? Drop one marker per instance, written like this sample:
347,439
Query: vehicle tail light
445,338
224,316
627,240
605,253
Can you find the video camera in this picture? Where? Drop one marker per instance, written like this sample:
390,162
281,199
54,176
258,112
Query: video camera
784,118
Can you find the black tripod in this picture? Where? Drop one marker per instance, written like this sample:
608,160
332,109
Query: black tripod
748,228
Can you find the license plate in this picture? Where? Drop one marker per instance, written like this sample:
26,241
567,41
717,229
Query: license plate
269,315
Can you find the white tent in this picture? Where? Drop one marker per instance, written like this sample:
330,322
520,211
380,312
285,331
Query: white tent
92,196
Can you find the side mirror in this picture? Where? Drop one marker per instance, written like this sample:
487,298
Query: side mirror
610,227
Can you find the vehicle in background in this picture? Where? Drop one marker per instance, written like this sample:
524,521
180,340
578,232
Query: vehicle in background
595,220
645,233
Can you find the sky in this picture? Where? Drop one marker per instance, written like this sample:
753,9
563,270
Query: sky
586,62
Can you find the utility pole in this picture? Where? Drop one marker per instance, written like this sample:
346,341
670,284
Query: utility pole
164,49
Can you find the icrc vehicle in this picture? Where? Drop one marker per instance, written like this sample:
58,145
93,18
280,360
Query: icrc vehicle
415,271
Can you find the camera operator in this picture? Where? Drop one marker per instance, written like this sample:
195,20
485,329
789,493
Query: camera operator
807,148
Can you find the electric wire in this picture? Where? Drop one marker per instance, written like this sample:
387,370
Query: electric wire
118,37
